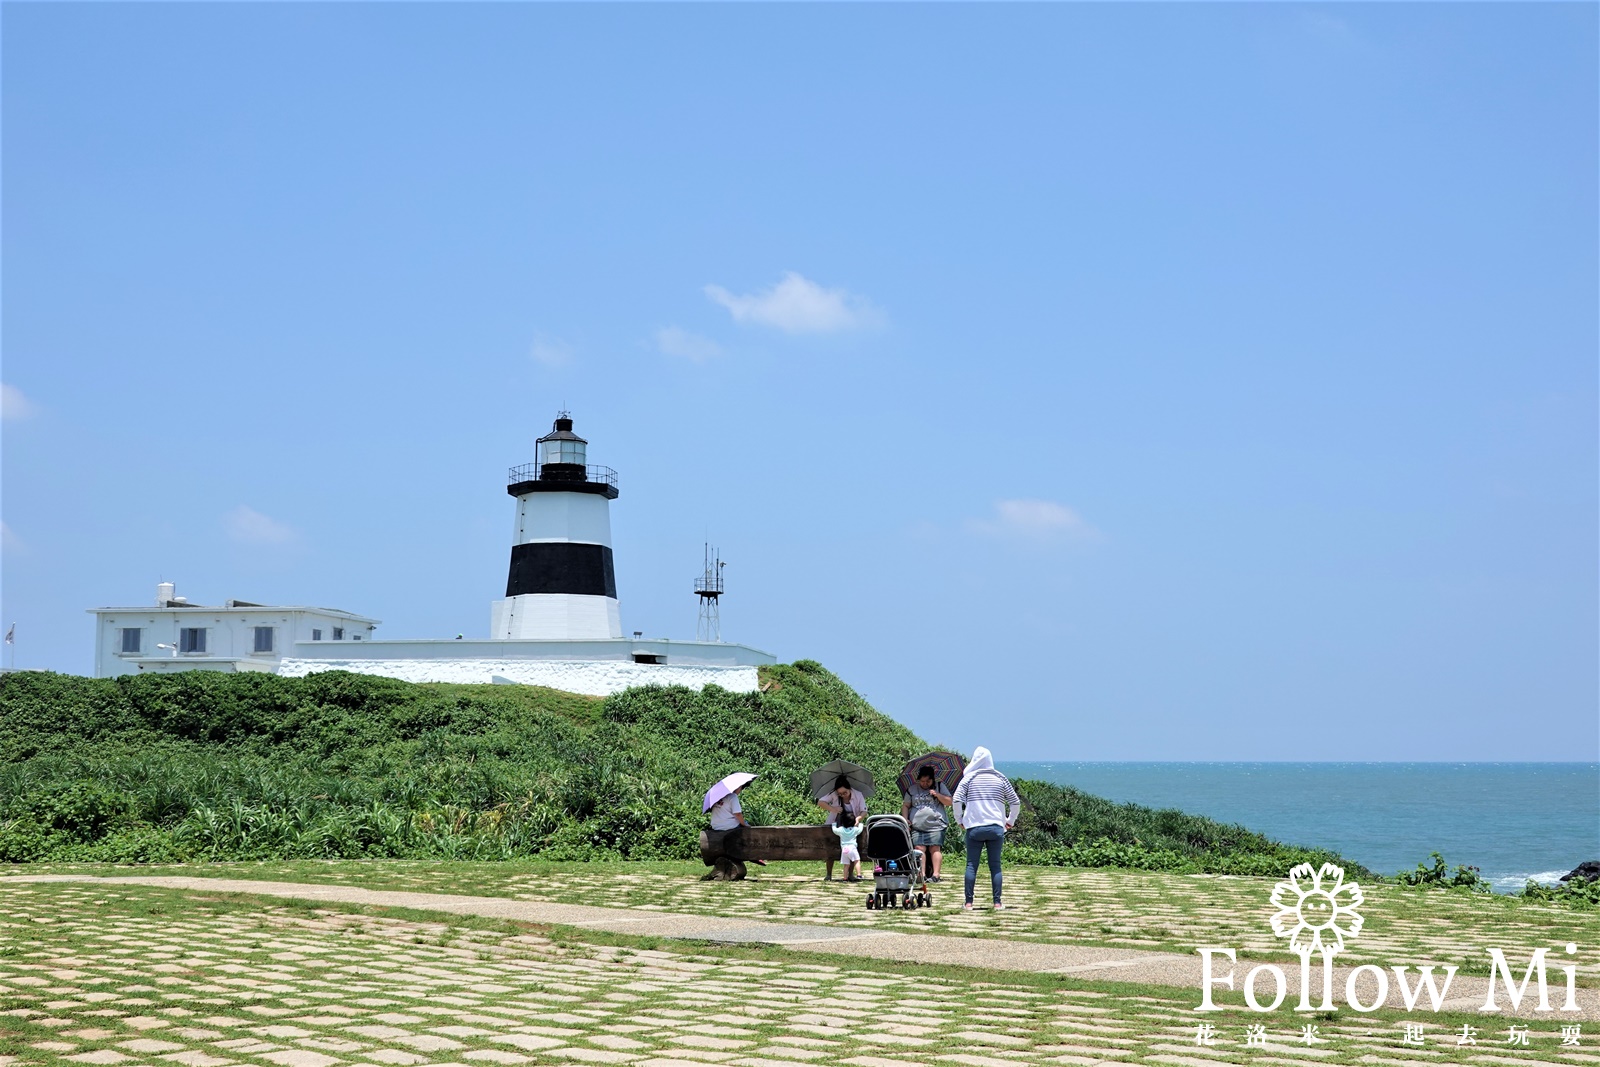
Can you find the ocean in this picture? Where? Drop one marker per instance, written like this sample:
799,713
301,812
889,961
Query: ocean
1513,821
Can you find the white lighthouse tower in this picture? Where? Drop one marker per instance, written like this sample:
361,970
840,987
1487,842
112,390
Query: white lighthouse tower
562,584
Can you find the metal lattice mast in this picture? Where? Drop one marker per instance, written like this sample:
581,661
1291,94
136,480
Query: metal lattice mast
708,588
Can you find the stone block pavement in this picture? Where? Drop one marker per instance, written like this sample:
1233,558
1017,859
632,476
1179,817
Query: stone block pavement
1108,964
103,971
1141,910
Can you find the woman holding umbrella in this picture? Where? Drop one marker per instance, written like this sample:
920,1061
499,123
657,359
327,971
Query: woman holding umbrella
722,801
851,785
722,804
923,808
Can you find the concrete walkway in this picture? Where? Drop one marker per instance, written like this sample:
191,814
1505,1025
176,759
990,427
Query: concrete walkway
1105,964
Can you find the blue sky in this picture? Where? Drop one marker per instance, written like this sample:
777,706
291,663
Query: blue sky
1090,382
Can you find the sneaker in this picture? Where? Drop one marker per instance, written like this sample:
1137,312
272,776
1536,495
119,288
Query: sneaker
934,878
999,906
967,906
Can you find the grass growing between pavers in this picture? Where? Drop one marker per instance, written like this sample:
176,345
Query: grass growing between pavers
135,975
1116,908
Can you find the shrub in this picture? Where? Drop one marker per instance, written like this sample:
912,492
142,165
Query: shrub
1574,893
1438,876
254,766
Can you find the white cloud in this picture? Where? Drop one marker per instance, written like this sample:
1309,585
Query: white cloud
1038,520
9,541
551,351
248,526
799,305
679,342
1327,27
13,404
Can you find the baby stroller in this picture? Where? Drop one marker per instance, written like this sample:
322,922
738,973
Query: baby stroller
897,880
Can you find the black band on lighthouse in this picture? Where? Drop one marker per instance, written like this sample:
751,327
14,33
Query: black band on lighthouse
561,567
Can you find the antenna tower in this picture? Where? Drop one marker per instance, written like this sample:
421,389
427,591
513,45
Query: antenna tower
708,587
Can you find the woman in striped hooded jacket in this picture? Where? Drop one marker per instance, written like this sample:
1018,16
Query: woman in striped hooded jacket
986,804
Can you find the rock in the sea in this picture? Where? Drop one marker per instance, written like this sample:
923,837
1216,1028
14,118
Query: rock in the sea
1588,871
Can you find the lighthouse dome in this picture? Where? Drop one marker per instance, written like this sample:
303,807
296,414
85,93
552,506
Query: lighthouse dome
561,445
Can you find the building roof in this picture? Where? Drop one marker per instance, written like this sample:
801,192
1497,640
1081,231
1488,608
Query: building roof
562,431
235,606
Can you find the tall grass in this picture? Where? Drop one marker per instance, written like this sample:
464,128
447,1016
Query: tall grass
211,766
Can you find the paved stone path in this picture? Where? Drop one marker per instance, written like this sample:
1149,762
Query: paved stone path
1141,910
1109,964
104,971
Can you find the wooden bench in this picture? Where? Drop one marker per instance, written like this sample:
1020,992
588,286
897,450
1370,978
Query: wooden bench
727,851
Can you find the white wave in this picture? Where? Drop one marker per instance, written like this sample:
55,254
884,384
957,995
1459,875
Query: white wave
1517,881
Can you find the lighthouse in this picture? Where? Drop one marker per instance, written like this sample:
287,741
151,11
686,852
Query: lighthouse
562,584
557,625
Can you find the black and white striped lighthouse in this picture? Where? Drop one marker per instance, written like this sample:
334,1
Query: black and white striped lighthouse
562,584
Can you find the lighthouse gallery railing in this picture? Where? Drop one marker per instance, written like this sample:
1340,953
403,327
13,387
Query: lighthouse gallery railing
531,472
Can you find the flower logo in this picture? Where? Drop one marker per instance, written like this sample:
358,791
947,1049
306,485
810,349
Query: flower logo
1316,909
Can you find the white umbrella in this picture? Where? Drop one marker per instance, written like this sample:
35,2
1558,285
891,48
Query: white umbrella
726,787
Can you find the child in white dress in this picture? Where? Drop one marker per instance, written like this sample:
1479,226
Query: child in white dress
848,830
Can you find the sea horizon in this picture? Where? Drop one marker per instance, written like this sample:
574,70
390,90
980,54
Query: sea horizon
1388,815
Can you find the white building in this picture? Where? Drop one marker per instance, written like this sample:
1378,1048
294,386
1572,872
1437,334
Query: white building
176,635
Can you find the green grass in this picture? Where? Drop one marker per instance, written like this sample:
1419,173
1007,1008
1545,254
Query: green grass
1148,910
199,970
202,766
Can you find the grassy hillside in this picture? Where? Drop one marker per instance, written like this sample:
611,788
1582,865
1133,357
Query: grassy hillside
248,766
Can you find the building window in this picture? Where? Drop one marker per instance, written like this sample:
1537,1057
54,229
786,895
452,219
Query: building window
130,638
263,639
338,633
192,639
316,635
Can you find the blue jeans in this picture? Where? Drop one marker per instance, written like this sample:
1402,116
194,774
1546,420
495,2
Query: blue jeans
993,835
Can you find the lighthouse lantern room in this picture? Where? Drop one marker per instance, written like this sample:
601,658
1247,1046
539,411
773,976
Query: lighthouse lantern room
562,582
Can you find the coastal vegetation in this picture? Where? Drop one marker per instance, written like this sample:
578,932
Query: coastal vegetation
1437,875
1575,891
203,766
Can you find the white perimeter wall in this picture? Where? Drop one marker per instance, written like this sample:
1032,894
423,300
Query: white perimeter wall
573,676
563,517
623,650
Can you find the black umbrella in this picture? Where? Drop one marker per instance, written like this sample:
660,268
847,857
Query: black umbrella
825,777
